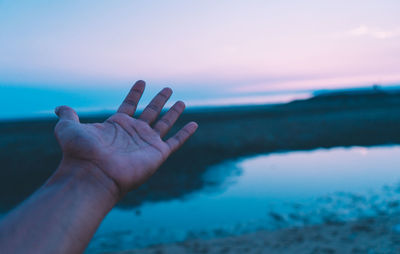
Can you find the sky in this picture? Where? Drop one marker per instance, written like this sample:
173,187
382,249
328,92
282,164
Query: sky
88,53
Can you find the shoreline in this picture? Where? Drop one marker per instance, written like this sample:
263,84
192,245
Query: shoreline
336,209
224,134
378,235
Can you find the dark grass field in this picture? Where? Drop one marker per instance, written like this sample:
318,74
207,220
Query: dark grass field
29,152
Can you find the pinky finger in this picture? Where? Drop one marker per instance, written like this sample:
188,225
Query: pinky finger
181,136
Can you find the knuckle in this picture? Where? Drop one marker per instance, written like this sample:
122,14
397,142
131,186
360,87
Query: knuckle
175,110
136,91
187,133
140,124
153,107
169,146
165,121
164,95
130,102
119,117
178,138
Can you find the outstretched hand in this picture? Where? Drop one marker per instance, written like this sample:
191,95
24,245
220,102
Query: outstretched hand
127,150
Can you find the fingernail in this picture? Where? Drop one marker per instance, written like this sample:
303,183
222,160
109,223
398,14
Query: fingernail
194,126
57,109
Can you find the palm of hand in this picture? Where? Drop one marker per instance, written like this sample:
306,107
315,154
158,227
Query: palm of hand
126,149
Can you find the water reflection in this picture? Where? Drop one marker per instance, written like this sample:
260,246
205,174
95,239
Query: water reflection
265,191
302,175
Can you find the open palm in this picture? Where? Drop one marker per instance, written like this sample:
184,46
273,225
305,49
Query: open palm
126,149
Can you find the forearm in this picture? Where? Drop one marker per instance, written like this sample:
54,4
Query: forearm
63,215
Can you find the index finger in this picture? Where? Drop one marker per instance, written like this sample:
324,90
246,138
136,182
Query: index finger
131,101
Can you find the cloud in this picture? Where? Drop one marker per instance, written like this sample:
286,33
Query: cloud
374,32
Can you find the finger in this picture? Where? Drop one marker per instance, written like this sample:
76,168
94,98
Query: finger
131,101
151,112
66,113
167,121
181,136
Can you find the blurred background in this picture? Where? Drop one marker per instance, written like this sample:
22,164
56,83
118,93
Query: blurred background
298,104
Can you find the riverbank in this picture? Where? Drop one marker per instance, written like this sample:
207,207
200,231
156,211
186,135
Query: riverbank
225,133
378,235
363,119
337,209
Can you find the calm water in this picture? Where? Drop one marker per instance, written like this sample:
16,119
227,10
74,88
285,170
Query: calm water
264,192
105,99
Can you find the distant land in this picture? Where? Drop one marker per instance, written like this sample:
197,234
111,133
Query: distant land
29,152
22,101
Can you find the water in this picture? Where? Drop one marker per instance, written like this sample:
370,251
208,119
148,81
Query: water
87,100
264,192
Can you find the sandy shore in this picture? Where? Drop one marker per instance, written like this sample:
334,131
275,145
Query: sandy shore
371,235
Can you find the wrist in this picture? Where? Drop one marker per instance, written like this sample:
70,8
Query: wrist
88,177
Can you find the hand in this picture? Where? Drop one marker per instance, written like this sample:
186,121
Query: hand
127,150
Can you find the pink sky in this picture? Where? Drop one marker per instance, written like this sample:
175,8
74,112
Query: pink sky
240,46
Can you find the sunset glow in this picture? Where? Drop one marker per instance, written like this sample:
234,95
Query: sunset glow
233,47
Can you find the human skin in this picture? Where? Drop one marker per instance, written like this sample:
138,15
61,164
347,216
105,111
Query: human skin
101,162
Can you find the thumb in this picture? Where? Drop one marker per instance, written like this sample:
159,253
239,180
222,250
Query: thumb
66,113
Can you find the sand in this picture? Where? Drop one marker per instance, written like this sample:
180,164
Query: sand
370,235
